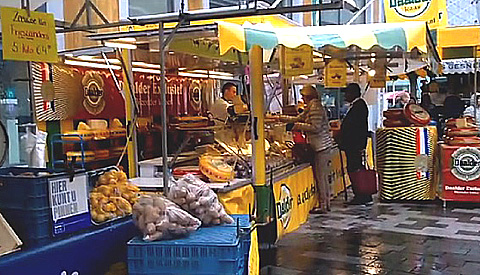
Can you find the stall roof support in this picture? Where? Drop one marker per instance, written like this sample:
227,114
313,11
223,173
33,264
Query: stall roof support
209,14
163,89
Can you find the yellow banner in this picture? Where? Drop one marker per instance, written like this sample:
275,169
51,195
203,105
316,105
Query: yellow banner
295,62
238,201
336,74
434,12
254,255
294,196
336,175
28,38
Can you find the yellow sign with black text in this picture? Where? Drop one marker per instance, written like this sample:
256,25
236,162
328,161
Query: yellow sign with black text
434,12
294,196
295,62
336,74
28,37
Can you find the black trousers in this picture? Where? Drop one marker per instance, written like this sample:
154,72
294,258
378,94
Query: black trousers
354,160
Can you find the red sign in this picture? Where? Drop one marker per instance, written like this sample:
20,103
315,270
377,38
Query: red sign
460,178
84,93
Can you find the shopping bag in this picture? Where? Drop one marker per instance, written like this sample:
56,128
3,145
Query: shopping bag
364,181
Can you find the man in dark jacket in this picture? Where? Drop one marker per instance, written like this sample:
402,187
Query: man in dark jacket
354,132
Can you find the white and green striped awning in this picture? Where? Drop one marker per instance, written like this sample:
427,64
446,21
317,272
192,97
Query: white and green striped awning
387,36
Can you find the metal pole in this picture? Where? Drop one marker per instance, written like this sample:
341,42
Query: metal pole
475,85
262,191
362,10
163,89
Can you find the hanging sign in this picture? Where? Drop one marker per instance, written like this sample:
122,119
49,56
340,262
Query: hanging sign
379,79
336,74
434,12
295,62
28,37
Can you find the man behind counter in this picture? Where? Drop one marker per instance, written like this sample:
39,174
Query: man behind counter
223,106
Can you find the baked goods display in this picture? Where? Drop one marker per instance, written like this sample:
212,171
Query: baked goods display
100,142
190,122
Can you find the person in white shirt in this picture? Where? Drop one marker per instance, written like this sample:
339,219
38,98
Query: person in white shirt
222,106
470,110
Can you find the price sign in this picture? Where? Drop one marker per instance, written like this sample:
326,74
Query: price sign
28,37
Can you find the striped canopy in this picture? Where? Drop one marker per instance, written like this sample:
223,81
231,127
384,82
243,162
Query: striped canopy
407,36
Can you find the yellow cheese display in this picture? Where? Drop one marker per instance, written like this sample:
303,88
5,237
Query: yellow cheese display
215,168
112,197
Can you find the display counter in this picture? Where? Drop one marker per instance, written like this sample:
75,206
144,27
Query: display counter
405,162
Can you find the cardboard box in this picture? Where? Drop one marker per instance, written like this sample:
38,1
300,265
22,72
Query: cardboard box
9,241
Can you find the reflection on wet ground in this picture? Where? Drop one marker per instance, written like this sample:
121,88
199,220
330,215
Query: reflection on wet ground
386,238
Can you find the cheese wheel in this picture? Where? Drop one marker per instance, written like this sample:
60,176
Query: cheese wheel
396,113
395,123
462,132
215,168
84,135
463,141
416,114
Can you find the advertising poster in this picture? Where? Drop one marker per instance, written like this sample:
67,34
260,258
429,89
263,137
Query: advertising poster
294,196
81,93
434,12
460,173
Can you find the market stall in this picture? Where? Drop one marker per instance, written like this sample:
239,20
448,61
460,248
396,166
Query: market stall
356,44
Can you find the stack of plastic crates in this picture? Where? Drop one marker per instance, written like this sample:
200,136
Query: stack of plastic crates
210,250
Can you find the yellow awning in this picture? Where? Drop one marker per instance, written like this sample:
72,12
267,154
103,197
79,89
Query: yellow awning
451,37
407,36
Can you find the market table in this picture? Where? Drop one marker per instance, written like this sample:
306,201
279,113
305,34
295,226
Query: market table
88,253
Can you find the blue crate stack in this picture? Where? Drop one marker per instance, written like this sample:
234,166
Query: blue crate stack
210,250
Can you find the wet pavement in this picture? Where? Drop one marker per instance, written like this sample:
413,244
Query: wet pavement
385,238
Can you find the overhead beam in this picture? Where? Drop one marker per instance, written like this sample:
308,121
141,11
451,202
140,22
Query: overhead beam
213,14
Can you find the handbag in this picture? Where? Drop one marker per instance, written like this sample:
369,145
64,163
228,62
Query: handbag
364,181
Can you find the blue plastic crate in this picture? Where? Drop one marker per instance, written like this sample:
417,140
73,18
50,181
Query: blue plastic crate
24,202
209,250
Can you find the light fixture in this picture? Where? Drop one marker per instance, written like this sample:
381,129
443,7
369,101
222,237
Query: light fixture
86,57
372,73
171,52
127,39
193,75
195,56
221,73
120,45
91,64
146,65
144,70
